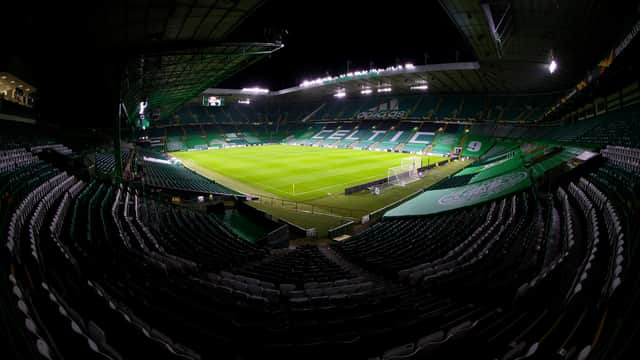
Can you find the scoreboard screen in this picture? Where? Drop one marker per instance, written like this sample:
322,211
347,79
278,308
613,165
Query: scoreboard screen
212,101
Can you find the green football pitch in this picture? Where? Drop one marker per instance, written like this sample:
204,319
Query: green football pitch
295,172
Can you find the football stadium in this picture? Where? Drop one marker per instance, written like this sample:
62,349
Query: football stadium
261,179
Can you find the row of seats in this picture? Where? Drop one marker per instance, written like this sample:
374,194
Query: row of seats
302,265
59,148
177,177
93,204
118,275
568,248
105,161
615,233
13,159
625,157
394,245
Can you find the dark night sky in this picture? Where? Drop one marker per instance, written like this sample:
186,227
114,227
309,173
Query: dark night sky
324,35
76,79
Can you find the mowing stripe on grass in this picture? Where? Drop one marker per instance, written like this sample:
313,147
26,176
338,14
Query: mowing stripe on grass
314,171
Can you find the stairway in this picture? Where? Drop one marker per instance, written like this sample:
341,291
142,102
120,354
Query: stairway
346,265
463,140
313,113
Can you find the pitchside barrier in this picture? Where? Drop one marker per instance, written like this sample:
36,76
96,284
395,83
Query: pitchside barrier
345,228
276,239
303,207
361,187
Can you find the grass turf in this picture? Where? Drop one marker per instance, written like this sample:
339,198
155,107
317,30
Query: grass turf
296,172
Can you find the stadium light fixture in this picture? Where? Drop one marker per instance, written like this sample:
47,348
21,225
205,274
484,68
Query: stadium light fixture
355,74
384,89
340,94
553,66
256,90
366,91
420,87
143,106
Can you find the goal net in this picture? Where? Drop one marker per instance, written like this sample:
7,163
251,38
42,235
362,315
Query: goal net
406,173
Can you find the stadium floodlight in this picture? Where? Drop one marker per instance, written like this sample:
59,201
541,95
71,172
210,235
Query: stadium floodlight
340,94
366,91
356,74
420,87
553,66
384,89
256,90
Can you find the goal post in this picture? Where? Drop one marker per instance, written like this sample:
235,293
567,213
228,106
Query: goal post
406,173
413,163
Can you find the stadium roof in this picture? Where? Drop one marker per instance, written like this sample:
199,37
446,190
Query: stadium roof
438,77
168,79
513,42
165,51
177,50
449,78
173,50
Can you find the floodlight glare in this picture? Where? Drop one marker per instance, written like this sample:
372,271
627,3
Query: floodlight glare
553,66
409,66
143,106
419,87
385,89
256,90
340,94
366,91
244,101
